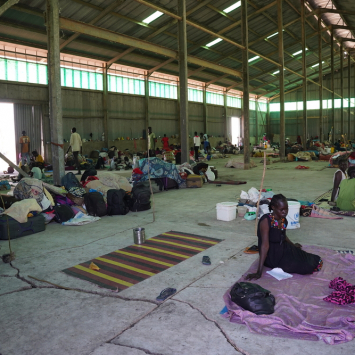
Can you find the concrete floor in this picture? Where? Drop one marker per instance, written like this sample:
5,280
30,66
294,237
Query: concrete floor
40,319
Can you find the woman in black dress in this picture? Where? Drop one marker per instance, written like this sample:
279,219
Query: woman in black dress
276,250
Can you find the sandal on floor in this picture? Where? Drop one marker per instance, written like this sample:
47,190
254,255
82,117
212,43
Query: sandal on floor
206,260
167,292
252,250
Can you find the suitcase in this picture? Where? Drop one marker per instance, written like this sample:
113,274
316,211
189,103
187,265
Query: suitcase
170,184
33,225
194,181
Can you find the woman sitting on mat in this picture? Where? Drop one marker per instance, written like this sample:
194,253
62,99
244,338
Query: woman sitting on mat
346,198
276,250
339,176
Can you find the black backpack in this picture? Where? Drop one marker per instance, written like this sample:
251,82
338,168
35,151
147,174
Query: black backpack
95,204
91,171
117,203
140,198
253,298
63,213
69,180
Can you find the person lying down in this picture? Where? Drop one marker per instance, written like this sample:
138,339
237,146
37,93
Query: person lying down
276,249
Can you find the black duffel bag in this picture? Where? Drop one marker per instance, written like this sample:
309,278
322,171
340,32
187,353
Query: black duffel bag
253,298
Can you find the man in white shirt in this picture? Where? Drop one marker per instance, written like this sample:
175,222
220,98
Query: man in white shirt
76,147
197,143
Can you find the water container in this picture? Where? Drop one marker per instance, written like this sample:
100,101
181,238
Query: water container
226,211
242,210
293,217
139,235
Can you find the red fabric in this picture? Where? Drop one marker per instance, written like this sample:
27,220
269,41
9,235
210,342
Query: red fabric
88,179
165,141
137,171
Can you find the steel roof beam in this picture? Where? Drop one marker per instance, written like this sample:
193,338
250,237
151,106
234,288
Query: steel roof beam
93,21
97,32
155,33
7,5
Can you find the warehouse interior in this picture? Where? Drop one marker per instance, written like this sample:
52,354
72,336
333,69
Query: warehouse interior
236,70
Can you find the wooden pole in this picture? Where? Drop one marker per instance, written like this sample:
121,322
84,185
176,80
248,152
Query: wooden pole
261,187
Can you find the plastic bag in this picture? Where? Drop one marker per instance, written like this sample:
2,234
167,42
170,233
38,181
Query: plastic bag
253,194
210,174
244,195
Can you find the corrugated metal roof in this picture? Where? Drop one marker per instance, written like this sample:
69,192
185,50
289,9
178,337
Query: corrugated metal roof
24,24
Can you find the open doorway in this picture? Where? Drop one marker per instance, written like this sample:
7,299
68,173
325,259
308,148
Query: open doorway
235,125
7,134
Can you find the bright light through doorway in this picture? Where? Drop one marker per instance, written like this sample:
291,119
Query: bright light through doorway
7,134
235,125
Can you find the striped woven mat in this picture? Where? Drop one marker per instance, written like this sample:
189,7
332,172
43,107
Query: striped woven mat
128,266
327,195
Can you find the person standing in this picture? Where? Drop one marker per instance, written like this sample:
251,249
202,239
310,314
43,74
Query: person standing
165,141
206,143
25,148
76,147
151,142
197,143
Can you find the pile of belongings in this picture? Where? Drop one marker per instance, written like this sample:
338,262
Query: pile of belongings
155,168
304,156
234,163
250,199
35,203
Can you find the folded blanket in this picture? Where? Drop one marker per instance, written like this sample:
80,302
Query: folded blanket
19,210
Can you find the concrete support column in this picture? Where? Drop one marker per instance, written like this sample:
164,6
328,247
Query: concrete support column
55,90
341,57
225,112
245,106
304,73
205,118
184,115
332,85
256,122
268,120
349,96
320,76
281,80
104,102
146,104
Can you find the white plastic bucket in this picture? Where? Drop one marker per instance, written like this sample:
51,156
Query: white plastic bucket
293,216
226,211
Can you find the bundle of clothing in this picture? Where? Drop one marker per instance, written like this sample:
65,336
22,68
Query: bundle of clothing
344,292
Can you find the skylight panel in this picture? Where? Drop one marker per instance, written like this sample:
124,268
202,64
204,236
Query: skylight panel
232,7
254,58
152,17
315,65
217,40
298,52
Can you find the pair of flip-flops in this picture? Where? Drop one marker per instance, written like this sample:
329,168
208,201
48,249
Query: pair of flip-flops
251,250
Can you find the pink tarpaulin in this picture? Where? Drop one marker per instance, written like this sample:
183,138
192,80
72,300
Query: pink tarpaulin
300,311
